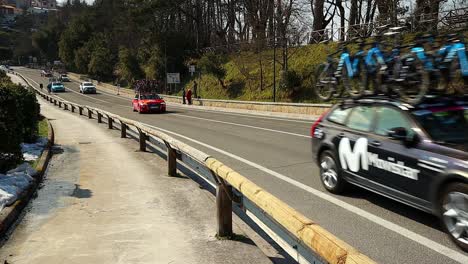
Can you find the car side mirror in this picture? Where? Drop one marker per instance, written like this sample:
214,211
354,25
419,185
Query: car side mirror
398,133
402,134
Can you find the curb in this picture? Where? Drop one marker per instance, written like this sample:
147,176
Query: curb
10,214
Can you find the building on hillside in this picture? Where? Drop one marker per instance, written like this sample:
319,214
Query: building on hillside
8,13
46,4
23,4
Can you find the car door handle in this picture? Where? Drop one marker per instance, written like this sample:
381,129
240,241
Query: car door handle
376,143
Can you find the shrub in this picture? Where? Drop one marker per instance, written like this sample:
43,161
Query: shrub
10,125
19,116
290,80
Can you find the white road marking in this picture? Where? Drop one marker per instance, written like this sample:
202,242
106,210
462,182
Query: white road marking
441,249
241,125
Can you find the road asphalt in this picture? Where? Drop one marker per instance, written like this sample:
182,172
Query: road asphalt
275,153
104,202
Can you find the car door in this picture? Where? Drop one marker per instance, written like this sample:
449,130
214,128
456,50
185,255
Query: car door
352,143
394,162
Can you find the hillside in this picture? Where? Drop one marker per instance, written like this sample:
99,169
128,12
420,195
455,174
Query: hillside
249,75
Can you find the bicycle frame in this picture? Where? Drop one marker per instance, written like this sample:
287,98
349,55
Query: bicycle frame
377,53
457,51
351,65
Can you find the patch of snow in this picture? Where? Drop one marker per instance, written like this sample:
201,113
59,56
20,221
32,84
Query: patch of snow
14,183
33,151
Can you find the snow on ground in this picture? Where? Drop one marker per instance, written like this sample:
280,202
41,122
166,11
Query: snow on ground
16,181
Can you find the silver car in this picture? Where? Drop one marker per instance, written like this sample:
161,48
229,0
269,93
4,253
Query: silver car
87,87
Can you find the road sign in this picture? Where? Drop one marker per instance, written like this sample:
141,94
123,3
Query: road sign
191,69
173,77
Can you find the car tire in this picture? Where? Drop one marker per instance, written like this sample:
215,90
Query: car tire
453,209
330,173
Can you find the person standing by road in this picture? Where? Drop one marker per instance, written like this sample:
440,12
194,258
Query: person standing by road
189,96
183,96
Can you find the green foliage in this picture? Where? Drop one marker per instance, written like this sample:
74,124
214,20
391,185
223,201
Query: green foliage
212,64
19,112
101,63
290,80
127,69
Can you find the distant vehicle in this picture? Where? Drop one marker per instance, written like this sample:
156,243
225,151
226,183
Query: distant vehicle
46,73
87,87
414,154
56,87
64,78
147,103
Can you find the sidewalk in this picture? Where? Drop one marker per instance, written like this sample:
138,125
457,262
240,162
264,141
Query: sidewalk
102,201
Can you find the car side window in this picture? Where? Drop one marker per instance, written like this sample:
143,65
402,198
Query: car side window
339,115
361,118
389,118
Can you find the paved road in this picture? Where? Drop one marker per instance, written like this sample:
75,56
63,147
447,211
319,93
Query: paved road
275,154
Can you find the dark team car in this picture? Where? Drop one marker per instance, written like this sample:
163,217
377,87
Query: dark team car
415,154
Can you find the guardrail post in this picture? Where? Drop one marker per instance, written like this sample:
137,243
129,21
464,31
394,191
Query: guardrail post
60,104
99,117
55,102
80,109
90,114
65,106
171,160
123,130
109,122
143,138
224,210
73,109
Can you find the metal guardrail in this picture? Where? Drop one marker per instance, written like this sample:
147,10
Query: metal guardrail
308,239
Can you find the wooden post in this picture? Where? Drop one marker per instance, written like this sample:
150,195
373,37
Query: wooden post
123,130
99,117
60,104
55,102
109,121
90,114
171,161
73,109
224,210
142,141
80,109
65,106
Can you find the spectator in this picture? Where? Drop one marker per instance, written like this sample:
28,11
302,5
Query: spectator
189,96
183,96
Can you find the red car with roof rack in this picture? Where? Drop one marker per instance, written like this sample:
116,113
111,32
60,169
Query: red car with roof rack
148,103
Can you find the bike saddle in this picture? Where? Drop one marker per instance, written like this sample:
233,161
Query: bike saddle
391,33
396,28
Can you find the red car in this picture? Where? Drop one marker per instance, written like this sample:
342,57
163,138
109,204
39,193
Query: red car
147,103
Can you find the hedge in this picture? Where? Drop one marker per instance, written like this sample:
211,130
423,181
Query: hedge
19,116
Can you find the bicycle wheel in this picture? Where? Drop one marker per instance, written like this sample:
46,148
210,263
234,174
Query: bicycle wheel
352,85
457,82
416,80
325,81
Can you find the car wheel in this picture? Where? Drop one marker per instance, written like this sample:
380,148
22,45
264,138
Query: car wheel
453,205
329,173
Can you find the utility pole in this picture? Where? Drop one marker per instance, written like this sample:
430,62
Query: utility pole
274,57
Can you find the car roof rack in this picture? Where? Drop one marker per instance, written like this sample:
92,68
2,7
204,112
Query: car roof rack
428,100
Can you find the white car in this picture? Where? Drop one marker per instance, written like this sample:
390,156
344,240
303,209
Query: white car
87,87
64,78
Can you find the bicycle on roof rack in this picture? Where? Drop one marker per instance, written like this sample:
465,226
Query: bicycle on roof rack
410,76
345,75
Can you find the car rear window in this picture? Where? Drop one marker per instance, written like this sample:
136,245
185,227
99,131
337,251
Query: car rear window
361,118
338,115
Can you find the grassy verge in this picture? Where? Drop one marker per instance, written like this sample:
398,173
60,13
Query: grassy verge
43,131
